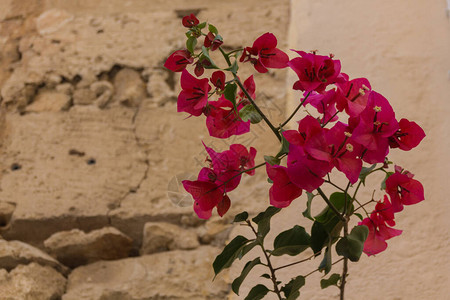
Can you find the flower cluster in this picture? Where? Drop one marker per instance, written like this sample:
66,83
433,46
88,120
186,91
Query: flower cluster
224,175
355,125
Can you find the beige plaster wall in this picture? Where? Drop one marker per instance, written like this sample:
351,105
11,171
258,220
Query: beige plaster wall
403,48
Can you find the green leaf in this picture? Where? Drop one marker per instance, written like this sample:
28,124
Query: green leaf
333,280
325,264
213,29
359,216
291,289
269,180
307,212
365,172
247,268
338,200
201,25
272,160
319,237
352,245
206,55
284,147
243,216
247,248
229,254
266,276
249,112
257,292
230,93
263,221
234,67
291,242
190,44
383,183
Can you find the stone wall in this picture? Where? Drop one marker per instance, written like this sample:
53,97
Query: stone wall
92,149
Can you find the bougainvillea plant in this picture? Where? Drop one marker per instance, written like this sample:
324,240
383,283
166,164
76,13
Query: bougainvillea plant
355,129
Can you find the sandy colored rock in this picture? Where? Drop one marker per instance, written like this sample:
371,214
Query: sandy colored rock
75,247
103,91
6,211
49,101
52,20
162,236
31,282
83,96
170,275
14,253
129,87
65,191
215,232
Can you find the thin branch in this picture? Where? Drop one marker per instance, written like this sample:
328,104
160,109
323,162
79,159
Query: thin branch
295,111
333,208
276,290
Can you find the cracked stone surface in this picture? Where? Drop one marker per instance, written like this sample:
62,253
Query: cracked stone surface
159,276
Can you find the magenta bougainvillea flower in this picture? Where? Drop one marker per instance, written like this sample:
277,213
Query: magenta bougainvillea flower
309,158
283,190
315,72
344,151
178,60
353,95
218,80
190,21
212,41
224,175
379,232
403,189
325,104
206,196
223,120
250,87
408,136
194,96
246,158
265,54
376,124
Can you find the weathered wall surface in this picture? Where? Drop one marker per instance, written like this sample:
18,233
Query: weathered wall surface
90,139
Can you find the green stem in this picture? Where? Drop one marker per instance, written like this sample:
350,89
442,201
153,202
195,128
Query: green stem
241,86
276,290
295,111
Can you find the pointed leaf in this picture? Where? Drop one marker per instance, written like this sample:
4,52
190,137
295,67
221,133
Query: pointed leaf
359,216
206,55
249,112
201,25
247,248
247,268
284,147
213,29
352,245
230,93
291,242
266,276
325,264
383,183
257,292
243,216
263,221
319,237
365,171
307,212
333,280
229,254
291,289
190,44
272,160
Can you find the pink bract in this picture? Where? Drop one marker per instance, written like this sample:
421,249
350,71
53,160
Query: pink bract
268,56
